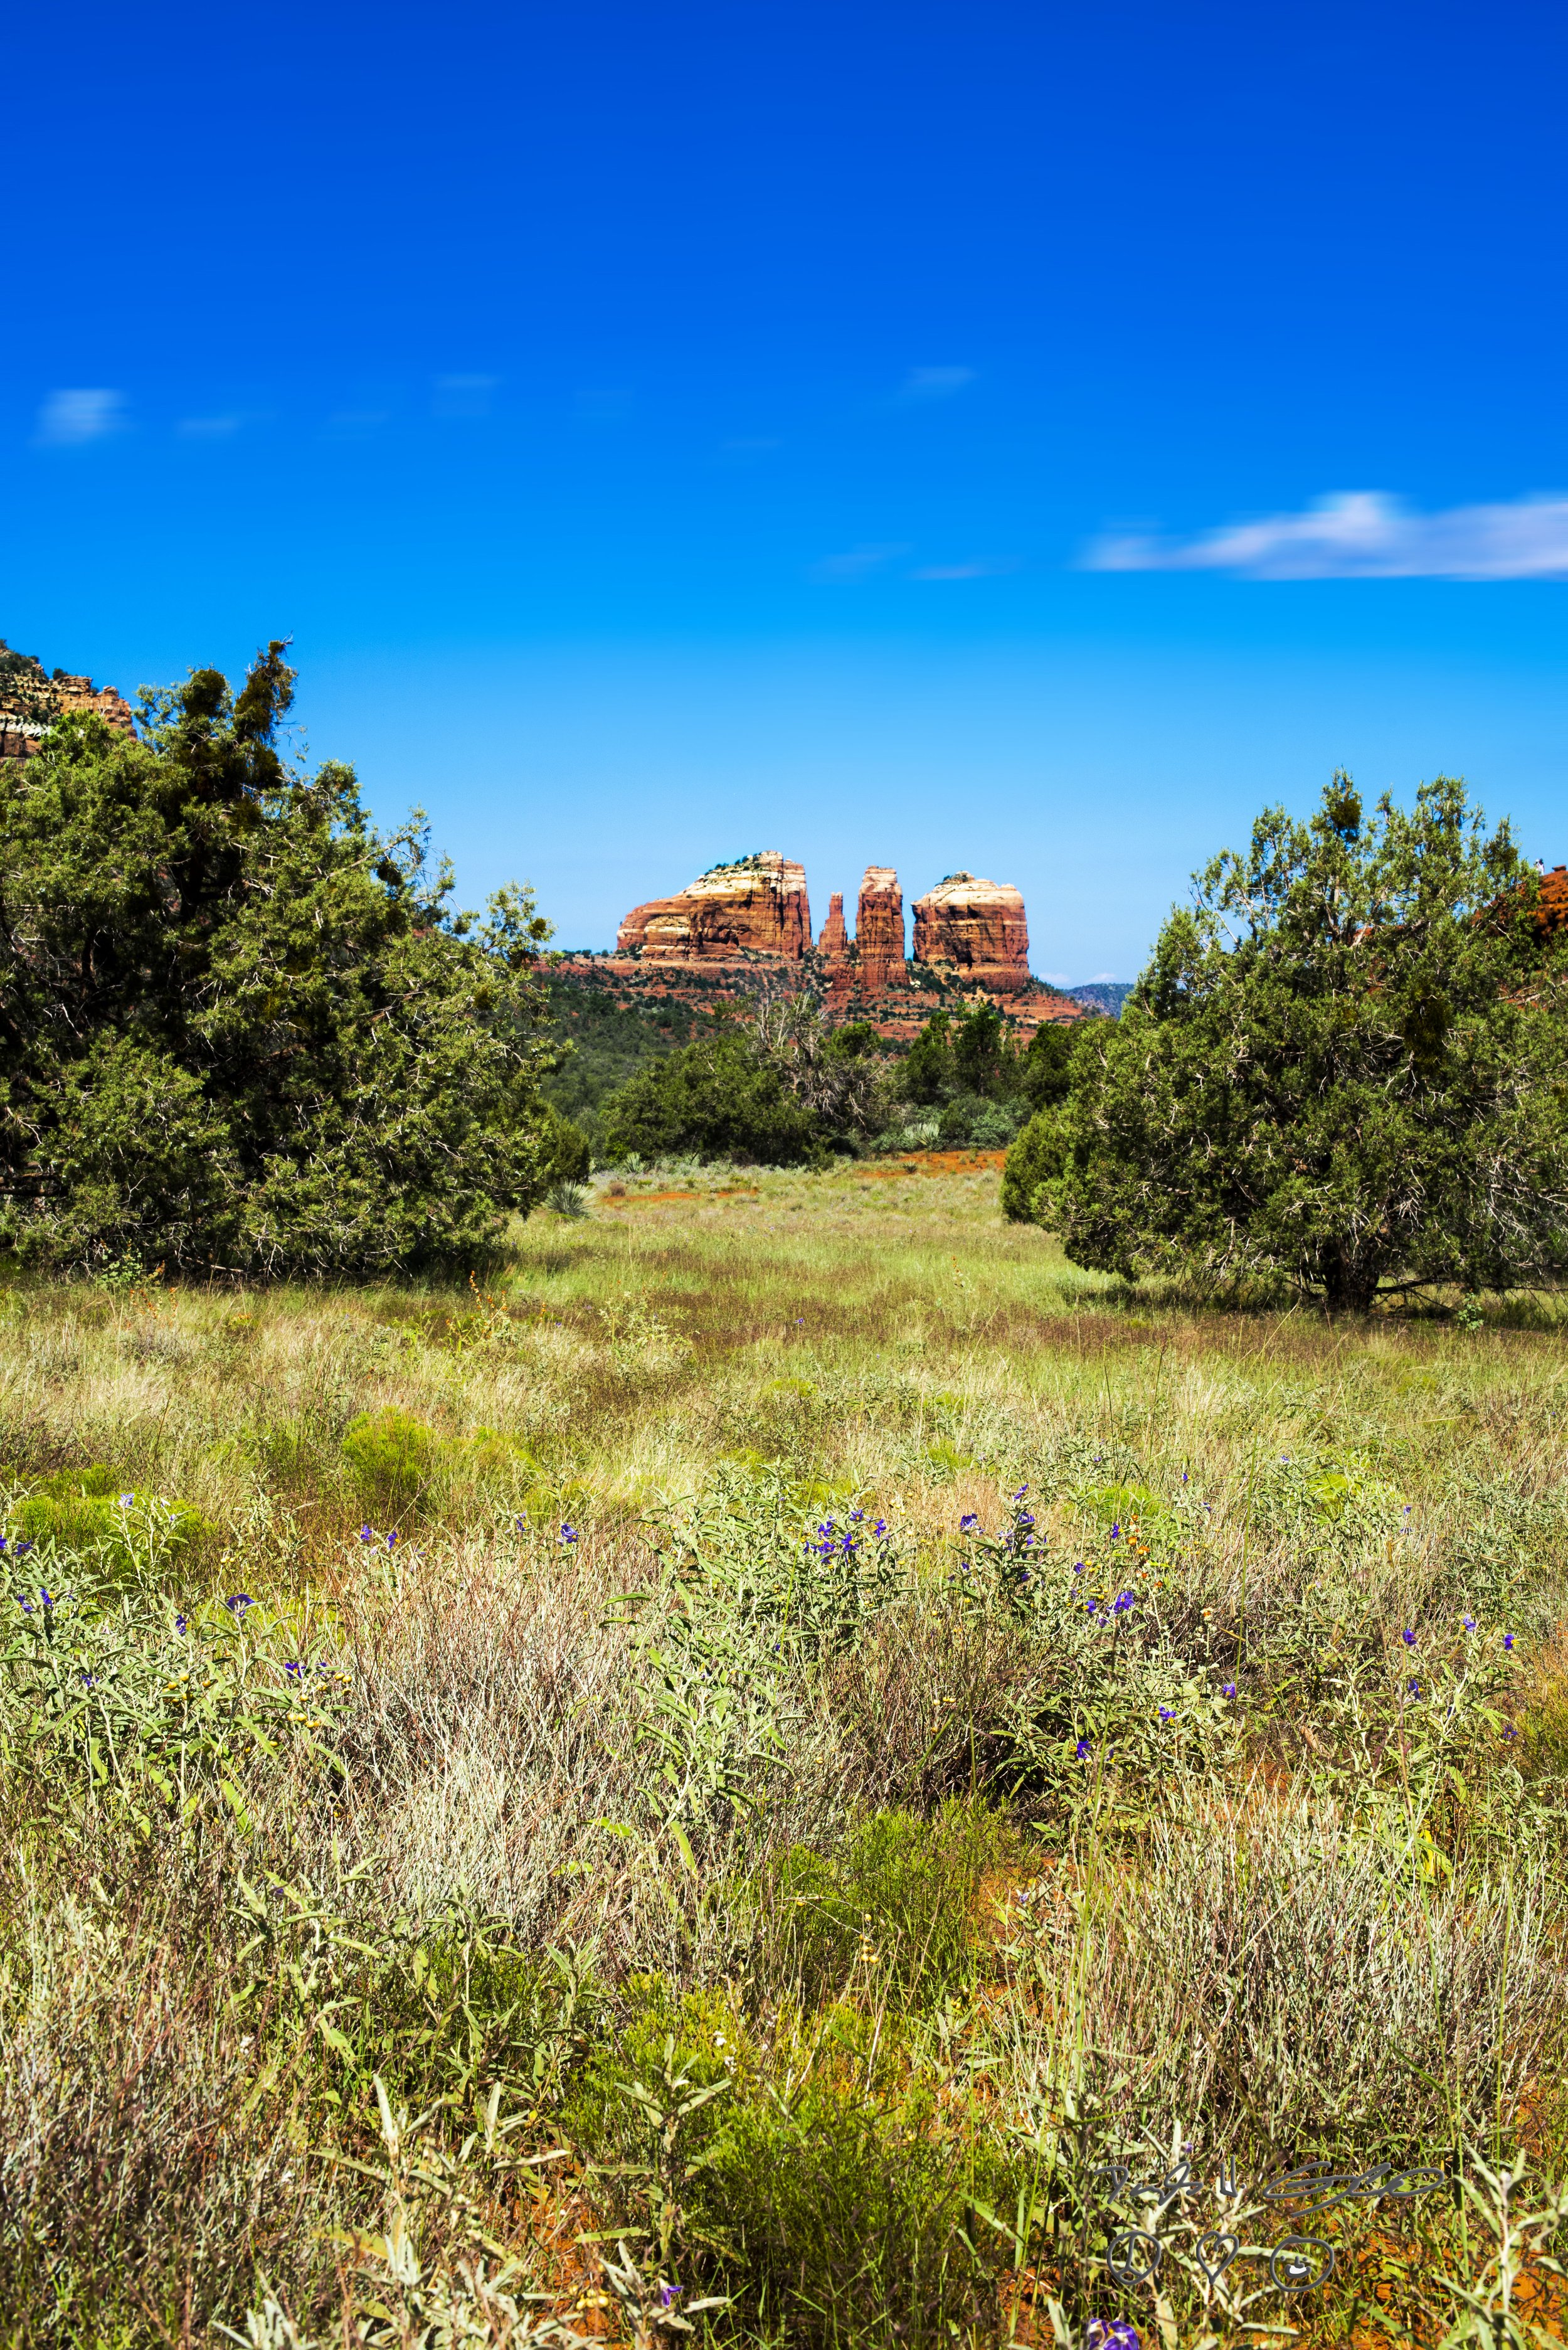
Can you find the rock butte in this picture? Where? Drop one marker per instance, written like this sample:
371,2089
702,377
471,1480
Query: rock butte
755,906
717,937
980,928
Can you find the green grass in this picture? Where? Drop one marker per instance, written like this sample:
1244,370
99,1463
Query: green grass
480,1860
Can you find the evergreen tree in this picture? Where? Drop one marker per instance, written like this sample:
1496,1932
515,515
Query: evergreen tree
1344,1066
239,1030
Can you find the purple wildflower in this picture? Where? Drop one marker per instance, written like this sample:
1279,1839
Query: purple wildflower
1229,1689
1409,1637
970,1518
568,1533
238,1601
1107,2334
1508,1639
881,1526
1123,1601
181,1624
1083,1750
367,1534
1469,1624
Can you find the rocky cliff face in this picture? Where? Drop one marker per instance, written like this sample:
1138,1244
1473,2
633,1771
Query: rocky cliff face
756,906
30,700
978,929
703,945
880,931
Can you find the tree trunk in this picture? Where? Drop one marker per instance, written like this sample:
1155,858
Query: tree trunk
1350,1286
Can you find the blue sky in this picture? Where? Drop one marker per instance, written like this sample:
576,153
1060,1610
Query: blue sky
1017,438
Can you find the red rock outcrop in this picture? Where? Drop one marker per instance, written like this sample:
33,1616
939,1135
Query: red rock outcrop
979,928
758,905
879,932
837,954
1552,901
30,701
701,947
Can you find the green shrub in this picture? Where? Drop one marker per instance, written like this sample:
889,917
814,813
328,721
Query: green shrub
1035,1159
850,2218
393,1454
900,1903
95,1510
716,1099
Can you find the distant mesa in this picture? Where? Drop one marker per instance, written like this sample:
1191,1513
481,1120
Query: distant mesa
757,905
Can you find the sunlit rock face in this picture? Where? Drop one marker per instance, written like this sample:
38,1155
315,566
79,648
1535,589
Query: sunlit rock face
758,905
833,946
30,700
978,929
880,931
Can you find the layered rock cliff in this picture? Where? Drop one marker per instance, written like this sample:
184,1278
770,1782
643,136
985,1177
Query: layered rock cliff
704,945
30,701
978,929
757,905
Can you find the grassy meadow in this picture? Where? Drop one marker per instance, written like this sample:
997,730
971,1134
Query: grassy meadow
750,1773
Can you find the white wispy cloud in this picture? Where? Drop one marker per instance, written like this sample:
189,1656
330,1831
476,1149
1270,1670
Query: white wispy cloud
859,562
1363,535
935,382
69,419
982,568
464,395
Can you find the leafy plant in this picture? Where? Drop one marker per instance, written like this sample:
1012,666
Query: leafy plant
1342,1066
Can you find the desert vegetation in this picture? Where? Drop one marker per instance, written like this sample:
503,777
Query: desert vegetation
712,1779
744,1748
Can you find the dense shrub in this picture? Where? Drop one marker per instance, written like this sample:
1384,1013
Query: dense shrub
242,1030
1035,1159
716,1099
1342,1069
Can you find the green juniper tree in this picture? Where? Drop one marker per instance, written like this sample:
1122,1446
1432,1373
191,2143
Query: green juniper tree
1344,1065
239,1029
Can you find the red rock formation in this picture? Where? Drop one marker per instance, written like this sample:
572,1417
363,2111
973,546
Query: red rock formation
33,701
979,928
880,931
1552,901
837,954
758,905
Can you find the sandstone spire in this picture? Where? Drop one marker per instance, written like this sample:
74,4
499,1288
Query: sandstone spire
880,931
834,944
